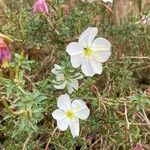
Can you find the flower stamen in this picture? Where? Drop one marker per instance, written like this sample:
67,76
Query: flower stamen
69,114
5,64
87,51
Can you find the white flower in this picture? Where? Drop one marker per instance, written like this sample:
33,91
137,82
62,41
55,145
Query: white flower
61,81
105,1
89,53
145,20
69,113
90,1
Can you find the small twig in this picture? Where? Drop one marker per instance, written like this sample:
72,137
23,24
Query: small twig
26,142
135,57
107,8
47,145
126,116
32,84
101,143
95,143
51,25
145,117
62,148
6,37
140,124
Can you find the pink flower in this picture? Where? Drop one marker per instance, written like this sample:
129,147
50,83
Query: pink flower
138,146
148,91
5,54
145,20
40,6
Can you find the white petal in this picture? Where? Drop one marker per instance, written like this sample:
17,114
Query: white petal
87,68
74,127
72,85
74,48
60,77
87,37
97,66
62,124
61,86
64,102
78,76
58,114
91,1
80,109
102,56
76,60
110,1
56,69
101,44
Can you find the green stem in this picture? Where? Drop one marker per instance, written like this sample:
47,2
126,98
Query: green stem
22,90
17,72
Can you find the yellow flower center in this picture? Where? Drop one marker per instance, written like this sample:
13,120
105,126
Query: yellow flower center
5,64
69,114
87,51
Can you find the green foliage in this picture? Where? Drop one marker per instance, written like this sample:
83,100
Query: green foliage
119,105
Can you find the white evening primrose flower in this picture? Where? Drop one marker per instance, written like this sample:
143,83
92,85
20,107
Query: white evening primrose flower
89,53
69,112
106,1
145,20
63,80
90,1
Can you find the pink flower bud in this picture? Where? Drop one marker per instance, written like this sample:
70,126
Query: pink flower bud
40,6
5,54
148,91
138,147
